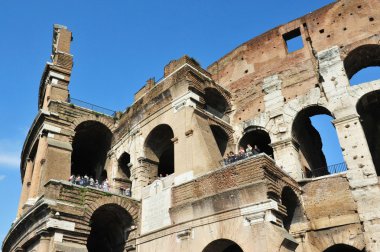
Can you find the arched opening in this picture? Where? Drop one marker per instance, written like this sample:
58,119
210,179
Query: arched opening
109,229
368,108
313,140
124,164
215,102
364,59
222,245
221,138
91,143
342,248
294,210
259,137
159,148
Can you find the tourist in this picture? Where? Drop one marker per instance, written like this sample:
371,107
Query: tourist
72,179
241,153
232,157
128,192
226,159
77,180
248,150
105,185
256,150
91,182
85,180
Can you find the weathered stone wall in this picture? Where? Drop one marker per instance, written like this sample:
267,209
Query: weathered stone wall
265,87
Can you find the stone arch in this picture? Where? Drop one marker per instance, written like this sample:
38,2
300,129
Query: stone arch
91,143
226,95
100,119
223,245
259,136
368,109
129,205
215,102
361,57
309,141
222,138
342,248
294,209
159,149
110,227
124,164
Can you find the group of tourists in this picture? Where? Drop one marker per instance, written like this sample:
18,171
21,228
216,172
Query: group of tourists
242,154
89,181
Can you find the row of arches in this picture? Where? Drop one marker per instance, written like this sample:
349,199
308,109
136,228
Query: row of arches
111,225
92,141
316,136
225,245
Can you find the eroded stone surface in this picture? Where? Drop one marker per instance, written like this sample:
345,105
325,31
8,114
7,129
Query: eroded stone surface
174,136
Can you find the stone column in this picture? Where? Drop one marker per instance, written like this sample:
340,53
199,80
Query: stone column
143,174
39,160
45,240
287,157
361,170
362,177
25,186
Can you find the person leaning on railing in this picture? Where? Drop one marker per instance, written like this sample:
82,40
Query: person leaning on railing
248,150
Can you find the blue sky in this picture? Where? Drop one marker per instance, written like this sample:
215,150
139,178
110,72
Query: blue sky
117,46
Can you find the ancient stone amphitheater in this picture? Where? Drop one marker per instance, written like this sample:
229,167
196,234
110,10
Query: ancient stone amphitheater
169,188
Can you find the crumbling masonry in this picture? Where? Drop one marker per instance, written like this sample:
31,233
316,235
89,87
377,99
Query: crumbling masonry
261,93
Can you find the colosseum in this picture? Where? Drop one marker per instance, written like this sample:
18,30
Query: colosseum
169,173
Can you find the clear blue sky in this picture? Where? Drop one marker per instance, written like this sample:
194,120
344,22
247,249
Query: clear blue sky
117,46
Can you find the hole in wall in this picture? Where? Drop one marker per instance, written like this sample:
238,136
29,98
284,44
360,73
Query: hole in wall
293,40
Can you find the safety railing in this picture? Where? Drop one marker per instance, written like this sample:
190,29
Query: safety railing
120,190
238,158
331,169
91,106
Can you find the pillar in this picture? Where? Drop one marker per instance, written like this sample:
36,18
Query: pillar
25,186
45,240
362,177
286,155
39,160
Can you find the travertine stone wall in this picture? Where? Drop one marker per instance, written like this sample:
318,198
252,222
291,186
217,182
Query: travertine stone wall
265,87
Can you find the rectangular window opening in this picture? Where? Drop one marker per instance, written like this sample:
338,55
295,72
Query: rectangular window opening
293,40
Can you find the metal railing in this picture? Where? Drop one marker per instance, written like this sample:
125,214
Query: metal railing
236,158
331,169
91,106
120,190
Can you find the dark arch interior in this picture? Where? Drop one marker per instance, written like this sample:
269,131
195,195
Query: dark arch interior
309,140
215,102
91,143
109,229
124,163
294,212
256,136
360,58
222,245
341,248
160,149
221,138
368,108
